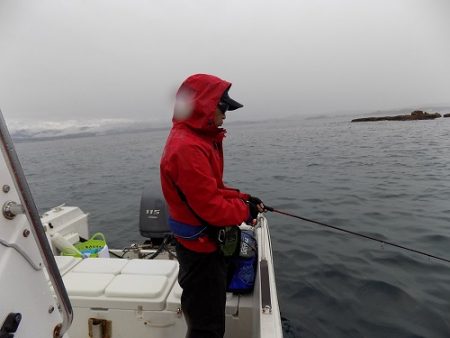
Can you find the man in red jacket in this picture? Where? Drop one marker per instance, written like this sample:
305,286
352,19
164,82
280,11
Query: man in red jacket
191,177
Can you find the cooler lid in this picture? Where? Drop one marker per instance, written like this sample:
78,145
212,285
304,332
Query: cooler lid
64,263
101,265
86,285
150,267
136,286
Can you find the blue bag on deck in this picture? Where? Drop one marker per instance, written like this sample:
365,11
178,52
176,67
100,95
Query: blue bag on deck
243,266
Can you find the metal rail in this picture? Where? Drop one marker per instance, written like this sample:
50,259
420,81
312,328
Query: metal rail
26,199
266,297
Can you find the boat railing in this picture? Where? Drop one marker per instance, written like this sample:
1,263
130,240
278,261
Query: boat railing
266,297
28,206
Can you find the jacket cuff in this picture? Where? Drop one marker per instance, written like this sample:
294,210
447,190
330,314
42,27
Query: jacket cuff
244,196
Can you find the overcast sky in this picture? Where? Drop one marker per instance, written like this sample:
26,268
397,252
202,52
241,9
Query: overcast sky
124,59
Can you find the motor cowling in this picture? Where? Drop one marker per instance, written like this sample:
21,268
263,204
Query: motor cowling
153,216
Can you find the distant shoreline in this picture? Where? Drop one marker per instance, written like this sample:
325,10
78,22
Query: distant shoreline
414,116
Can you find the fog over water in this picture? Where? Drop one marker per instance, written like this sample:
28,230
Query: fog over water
112,59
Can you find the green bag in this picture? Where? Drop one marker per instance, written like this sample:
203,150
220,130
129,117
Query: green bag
94,247
229,239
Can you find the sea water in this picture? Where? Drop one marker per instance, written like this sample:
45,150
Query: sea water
389,180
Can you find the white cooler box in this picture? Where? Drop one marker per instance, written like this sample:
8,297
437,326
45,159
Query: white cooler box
128,298
125,297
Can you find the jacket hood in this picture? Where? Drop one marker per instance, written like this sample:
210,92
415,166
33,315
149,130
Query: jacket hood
196,101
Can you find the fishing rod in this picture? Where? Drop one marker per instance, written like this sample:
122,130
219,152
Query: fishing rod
357,234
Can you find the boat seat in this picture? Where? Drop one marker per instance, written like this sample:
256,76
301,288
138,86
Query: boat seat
101,265
136,286
150,267
66,263
121,284
87,285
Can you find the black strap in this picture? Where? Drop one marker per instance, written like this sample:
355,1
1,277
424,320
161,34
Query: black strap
212,231
184,199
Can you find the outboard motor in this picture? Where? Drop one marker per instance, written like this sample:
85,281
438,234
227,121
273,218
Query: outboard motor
153,217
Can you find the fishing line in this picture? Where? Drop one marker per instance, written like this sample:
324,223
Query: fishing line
357,234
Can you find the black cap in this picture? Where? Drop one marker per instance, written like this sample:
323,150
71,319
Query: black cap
232,104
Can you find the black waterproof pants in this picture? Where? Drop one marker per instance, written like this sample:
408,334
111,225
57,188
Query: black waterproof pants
203,279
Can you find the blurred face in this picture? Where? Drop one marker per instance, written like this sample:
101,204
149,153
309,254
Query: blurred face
219,117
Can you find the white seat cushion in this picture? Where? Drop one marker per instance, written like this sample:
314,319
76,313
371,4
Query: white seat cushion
65,262
150,267
136,286
101,265
87,284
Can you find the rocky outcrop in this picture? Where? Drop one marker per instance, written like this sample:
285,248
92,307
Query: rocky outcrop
415,115
447,115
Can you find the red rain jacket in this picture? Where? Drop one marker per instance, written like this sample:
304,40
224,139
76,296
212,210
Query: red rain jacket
193,160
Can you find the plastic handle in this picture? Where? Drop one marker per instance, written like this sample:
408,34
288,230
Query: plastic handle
100,235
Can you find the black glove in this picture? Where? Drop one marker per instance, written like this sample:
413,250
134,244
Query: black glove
253,210
255,200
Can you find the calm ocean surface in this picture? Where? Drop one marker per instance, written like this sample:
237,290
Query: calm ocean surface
386,179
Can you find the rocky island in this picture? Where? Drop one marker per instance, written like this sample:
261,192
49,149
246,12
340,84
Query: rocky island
447,115
415,115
